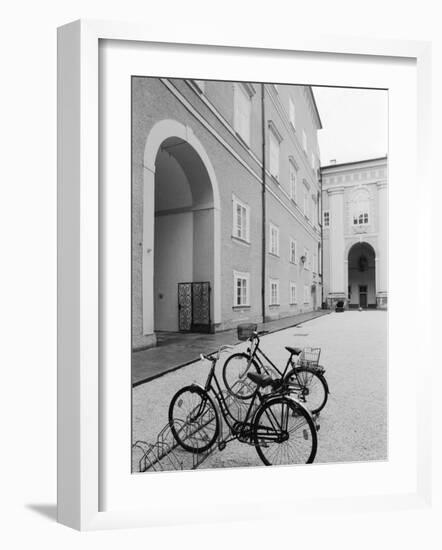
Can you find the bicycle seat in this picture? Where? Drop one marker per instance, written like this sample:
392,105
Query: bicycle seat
261,380
293,351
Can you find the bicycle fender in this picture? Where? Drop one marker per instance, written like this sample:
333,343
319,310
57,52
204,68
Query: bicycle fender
195,385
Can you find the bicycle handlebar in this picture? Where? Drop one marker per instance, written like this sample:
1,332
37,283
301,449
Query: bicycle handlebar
218,353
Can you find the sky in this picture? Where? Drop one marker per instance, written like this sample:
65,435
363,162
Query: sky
355,123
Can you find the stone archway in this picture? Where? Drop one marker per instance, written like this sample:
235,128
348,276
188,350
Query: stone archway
361,276
181,223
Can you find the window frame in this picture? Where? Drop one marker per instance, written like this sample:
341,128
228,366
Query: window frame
305,202
326,214
240,91
304,142
292,113
235,203
244,276
295,260
272,227
365,218
273,139
292,285
307,258
276,283
293,185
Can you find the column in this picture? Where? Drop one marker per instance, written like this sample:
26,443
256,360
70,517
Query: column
382,260
336,239
149,338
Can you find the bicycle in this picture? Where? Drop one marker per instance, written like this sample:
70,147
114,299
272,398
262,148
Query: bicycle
304,376
280,428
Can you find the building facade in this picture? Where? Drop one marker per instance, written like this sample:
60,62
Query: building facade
225,205
355,233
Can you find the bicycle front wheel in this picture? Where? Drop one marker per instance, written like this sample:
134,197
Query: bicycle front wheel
309,386
235,378
284,433
193,419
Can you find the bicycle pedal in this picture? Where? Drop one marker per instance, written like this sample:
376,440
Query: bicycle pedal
318,427
222,445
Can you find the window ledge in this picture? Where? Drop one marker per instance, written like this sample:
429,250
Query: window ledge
274,255
239,240
274,305
238,308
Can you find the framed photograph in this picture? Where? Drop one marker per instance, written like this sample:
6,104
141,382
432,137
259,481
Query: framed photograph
234,276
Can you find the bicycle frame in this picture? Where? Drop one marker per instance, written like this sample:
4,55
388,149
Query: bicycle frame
257,354
217,392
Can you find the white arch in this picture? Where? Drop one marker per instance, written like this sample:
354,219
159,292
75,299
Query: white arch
161,131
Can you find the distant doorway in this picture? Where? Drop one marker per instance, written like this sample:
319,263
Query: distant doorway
362,276
363,302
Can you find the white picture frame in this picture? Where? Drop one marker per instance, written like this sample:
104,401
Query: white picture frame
80,315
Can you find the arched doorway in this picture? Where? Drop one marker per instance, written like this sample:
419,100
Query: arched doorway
183,245
362,276
181,225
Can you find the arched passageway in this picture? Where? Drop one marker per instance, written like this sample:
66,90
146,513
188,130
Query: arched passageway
184,239
362,276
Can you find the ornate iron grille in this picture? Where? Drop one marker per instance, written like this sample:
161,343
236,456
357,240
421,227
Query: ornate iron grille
194,307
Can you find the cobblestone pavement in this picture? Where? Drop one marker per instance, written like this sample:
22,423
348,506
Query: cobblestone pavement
354,421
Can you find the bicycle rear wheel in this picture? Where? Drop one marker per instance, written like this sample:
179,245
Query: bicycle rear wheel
284,433
193,419
235,378
309,387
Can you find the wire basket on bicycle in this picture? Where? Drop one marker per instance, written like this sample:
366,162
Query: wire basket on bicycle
310,357
246,330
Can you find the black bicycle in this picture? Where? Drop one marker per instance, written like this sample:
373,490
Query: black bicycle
280,428
302,375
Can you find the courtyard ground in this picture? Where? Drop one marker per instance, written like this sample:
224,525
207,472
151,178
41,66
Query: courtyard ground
354,421
175,349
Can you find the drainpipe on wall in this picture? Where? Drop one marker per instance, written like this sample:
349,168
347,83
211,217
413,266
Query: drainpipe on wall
263,261
322,239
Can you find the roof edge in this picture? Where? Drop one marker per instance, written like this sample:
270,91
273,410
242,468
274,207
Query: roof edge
353,162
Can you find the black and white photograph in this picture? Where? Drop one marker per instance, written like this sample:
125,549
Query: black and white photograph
220,267
259,274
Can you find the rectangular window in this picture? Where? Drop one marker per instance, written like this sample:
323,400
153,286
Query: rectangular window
361,219
305,204
274,292
326,217
292,112
292,293
292,180
241,289
292,251
274,155
315,263
306,258
241,220
242,112
304,141
274,240
306,294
